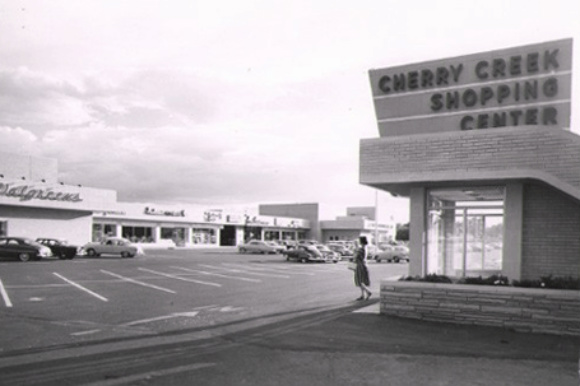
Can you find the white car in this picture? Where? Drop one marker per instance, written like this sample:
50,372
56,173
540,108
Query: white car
257,246
111,246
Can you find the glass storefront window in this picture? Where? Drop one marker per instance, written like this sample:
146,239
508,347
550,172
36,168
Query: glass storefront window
465,231
175,234
203,236
271,235
104,230
138,234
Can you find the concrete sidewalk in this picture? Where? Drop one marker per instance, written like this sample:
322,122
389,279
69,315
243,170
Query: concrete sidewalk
365,348
350,344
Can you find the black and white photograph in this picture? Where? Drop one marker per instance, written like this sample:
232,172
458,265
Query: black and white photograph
281,193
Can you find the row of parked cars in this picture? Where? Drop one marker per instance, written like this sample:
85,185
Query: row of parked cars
27,249
312,251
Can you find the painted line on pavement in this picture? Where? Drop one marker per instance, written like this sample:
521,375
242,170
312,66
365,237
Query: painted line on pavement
148,376
138,282
180,278
246,272
82,288
218,274
5,295
257,267
164,317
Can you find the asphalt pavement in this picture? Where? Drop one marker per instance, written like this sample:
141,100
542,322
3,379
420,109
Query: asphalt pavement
349,344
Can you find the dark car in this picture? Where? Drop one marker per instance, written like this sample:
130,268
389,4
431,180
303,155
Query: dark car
59,247
23,249
304,254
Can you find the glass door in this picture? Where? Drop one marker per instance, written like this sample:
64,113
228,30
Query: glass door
465,232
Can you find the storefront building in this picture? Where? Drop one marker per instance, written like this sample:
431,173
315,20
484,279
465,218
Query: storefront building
33,203
481,144
359,221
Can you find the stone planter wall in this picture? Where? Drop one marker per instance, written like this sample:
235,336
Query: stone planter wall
521,309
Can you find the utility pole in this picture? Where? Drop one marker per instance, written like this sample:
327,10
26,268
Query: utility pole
377,218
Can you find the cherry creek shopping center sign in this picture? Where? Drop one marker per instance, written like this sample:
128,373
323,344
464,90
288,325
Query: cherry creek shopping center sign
527,85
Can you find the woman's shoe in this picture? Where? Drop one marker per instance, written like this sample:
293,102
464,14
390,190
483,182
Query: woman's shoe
369,295
361,298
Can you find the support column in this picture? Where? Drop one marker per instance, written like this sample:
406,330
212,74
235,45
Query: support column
156,234
417,232
513,223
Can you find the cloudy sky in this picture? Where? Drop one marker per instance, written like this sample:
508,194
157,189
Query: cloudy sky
230,103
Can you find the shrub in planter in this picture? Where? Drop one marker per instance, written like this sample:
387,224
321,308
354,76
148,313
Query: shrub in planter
491,280
430,278
568,283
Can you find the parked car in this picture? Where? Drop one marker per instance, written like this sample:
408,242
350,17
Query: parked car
279,248
23,249
392,253
328,253
111,246
257,246
341,250
305,254
60,247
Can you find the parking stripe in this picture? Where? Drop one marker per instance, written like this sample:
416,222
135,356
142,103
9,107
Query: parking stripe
82,288
218,275
148,376
138,282
180,278
257,267
246,272
5,295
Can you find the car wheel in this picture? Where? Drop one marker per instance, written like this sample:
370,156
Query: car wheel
287,258
131,255
62,256
379,260
124,254
91,252
24,256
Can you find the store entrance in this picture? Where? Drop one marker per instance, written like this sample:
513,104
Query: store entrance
228,236
465,232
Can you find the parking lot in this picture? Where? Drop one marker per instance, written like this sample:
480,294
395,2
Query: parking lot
59,302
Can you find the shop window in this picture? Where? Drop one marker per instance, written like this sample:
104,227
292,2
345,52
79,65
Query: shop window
271,235
104,230
204,236
175,234
465,231
138,234
3,228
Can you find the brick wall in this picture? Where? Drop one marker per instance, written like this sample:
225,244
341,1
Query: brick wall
420,157
521,309
551,233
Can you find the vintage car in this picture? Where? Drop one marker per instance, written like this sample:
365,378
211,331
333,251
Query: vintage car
257,246
279,247
23,249
392,253
111,246
328,253
305,254
59,247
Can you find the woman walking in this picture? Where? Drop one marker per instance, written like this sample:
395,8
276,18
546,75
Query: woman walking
361,273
